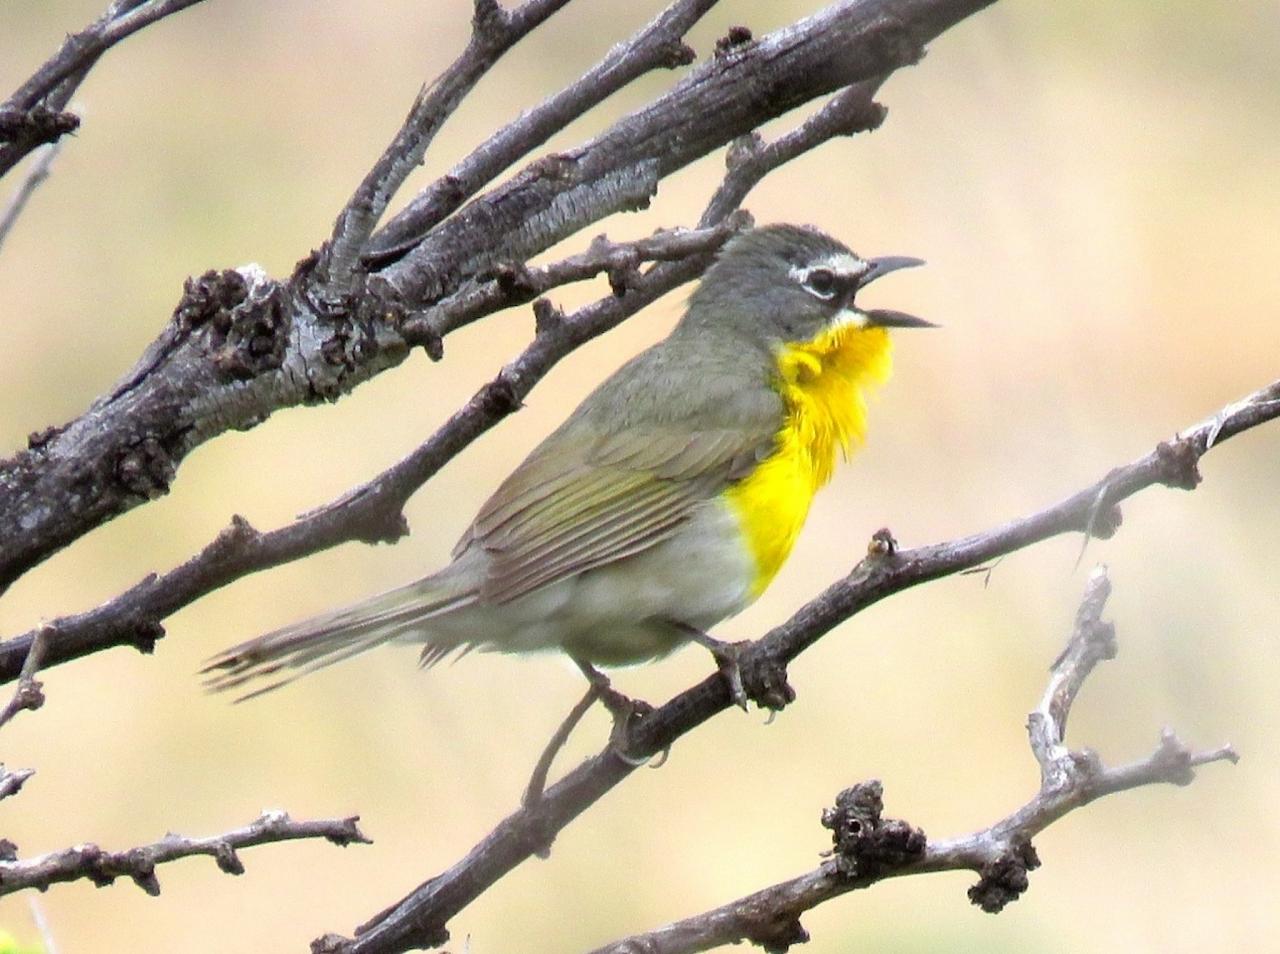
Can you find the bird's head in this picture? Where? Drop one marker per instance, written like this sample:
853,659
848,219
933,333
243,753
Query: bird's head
785,284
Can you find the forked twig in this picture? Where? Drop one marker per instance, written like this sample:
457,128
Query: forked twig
89,862
869,848
494,30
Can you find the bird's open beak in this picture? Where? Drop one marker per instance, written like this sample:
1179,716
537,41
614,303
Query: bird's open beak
886,317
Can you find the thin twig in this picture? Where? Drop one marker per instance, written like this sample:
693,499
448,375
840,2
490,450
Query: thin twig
493,32
852,110
538,779
35,176
11,781
42,925
515,283
869,848
89,862
30,692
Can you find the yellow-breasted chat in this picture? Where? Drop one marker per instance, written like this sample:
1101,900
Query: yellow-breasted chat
670,497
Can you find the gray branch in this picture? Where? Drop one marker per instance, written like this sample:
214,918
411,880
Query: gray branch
91,863
657,45
241,345
869,848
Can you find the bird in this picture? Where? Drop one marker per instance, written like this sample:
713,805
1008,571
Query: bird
666,502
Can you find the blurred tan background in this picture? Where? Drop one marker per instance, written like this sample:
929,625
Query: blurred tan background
1096,190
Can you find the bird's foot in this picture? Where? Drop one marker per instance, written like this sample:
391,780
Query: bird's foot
762,681
624,711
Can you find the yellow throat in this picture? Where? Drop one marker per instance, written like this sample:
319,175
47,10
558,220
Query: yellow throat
822,383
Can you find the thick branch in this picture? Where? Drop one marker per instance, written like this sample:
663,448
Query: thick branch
420,919
89,862
32,115
241,346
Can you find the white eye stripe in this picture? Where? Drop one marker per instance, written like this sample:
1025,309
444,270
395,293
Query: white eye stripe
843,263
835,273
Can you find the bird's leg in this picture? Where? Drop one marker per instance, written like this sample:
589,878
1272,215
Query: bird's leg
538,781
765,682
622,708
726,655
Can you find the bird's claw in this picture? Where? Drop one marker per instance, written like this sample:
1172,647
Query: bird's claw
762,681
624,710
767,686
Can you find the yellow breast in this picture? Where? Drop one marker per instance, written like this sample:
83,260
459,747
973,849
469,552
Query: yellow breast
822,384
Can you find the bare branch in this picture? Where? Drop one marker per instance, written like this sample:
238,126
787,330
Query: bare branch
89,862
869,848
493,32
659,44
514,283
35,176
31,116
421,917
1172,463
853,110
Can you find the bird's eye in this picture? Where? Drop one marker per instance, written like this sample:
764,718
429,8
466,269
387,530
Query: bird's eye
821,282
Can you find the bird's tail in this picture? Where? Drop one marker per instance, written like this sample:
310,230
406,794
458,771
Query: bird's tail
285,654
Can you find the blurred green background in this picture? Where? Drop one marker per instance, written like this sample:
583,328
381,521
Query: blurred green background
1096,189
